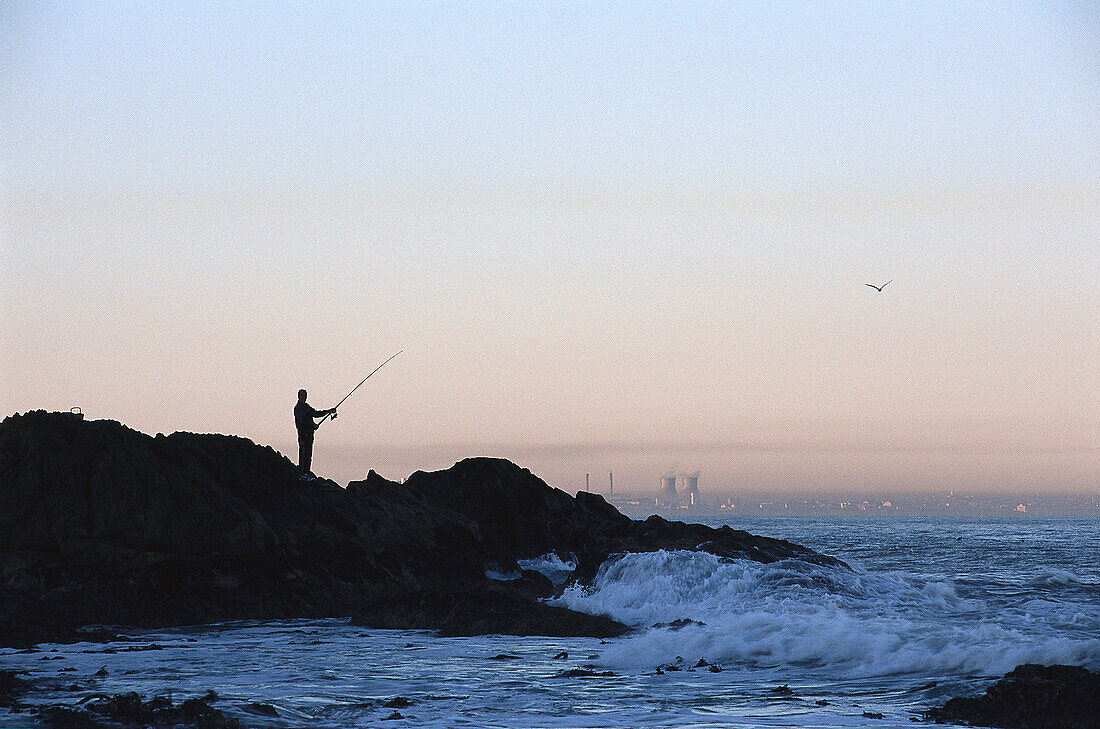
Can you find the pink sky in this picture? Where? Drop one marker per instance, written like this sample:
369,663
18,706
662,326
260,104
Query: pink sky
631,251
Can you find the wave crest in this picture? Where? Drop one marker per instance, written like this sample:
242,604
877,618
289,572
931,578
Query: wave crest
795,613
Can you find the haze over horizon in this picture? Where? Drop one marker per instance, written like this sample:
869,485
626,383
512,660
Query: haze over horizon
624,239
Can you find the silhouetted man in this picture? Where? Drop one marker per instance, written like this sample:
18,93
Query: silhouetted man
303,421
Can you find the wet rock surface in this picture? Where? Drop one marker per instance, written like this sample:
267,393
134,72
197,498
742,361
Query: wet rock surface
104,525
481,609
128,710
11,688
1030,697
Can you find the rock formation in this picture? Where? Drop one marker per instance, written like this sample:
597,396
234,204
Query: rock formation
1030,697
101,524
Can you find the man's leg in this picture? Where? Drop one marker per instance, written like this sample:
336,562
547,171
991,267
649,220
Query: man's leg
305,454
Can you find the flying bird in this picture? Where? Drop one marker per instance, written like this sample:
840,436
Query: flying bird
879,288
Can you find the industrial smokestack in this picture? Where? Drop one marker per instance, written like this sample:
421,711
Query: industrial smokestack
611,484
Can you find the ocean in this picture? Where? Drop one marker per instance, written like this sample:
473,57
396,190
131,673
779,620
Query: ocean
932,607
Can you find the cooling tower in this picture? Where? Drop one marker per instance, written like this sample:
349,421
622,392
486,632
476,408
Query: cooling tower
691,483
668,488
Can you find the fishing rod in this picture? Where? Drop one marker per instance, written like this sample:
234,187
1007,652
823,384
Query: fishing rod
333,413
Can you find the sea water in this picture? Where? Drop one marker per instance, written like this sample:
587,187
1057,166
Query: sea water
930,608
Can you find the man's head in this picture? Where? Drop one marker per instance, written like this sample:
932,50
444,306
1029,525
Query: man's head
301,395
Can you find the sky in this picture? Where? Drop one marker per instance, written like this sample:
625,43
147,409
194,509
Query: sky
608,237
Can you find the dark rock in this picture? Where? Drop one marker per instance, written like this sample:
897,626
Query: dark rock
523,516
584,673
105,525
481,609
562,655
394,715
873,715
398,702
261,709
205,716
101,672
1030,697
514,508
11,688
784,691
64,717
504,657
128,710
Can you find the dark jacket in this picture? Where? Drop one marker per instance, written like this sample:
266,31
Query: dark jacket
303,419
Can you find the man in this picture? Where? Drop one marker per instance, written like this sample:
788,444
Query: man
303,421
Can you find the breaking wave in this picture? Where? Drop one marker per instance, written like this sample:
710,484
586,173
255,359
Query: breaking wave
854,623
551,566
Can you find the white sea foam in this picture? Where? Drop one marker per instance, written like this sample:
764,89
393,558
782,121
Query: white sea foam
797,614
945,619
551,566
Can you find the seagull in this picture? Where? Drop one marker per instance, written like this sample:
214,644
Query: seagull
879,288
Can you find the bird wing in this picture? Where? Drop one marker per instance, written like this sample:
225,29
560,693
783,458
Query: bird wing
885,284
876,288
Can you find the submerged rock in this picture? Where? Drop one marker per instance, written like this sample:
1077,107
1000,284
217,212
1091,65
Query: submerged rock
584,673
128,710
1030,697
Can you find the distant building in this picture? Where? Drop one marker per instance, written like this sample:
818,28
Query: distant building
690,489
666,495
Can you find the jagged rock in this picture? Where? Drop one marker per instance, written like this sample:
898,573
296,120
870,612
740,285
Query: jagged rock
102,524
398,702
105,525
1030,697
514,508
128,710
523,516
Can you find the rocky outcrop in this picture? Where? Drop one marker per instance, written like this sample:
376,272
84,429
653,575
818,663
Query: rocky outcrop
105,525
1030,697
523,516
